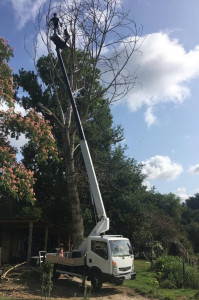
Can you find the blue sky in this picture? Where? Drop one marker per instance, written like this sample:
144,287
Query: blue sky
160,115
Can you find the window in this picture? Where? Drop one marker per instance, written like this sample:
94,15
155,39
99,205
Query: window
100,248
121,248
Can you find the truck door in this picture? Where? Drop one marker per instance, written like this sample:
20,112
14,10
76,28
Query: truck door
99,256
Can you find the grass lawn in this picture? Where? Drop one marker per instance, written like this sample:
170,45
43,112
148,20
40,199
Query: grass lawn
146,284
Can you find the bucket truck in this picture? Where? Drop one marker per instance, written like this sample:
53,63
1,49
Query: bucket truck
101,257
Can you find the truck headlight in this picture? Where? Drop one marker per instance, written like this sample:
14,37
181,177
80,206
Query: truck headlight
114,267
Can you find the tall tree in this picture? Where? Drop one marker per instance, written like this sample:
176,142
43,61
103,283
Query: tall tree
101,34
124,192
193,202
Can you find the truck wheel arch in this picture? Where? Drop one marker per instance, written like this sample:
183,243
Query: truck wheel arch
96,278
93,270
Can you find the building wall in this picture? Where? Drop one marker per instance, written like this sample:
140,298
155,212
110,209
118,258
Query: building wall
12,247
5,241
14,241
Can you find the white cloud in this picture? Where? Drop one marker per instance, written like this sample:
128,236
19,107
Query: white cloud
18,108
150,118
161,167
164,69
147,184
182,194
194,169
25,10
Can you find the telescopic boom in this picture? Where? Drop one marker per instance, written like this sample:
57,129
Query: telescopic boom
103,223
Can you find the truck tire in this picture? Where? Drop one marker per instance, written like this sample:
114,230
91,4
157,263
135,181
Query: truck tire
119,282
96,281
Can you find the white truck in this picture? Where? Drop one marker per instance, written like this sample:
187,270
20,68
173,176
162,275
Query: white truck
100,258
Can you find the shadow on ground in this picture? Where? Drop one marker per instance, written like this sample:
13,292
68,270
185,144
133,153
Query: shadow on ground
25,282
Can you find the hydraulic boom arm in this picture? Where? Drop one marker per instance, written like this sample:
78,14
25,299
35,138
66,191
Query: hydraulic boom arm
103,223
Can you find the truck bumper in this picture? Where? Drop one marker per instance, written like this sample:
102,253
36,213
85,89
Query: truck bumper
133,275
119,278
129,276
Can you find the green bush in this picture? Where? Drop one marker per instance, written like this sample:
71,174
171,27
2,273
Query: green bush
46,280
191,277
170,273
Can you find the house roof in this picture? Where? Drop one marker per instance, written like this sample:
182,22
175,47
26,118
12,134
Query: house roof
37,222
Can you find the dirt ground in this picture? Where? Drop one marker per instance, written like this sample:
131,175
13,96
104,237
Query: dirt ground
25,282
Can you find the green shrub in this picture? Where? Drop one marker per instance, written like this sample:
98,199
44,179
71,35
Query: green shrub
170,273
167,284
191,277
47,274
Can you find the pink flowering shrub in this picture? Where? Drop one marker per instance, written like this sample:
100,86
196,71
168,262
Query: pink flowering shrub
15,179
35,128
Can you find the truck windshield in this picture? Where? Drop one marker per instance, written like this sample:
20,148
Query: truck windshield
121,248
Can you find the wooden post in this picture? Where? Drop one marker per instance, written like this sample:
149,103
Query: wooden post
69,244
59,238
46,238
30,241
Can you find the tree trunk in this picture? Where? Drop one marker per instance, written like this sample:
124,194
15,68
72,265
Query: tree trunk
77,217
72,189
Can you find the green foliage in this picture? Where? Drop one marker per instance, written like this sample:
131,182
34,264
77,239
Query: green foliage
190,220
193,233
153,250
193,202
122,194
147,285
46,281
87,293
6,82
172,272
22,208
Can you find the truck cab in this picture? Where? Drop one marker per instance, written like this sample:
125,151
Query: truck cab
110,258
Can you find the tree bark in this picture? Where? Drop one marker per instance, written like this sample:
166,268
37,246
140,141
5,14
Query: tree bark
72,189
77,218
30,241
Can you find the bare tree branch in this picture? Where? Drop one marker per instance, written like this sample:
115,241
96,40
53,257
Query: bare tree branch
47,111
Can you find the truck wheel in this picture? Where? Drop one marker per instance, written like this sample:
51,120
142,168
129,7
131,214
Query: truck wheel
96,281
119,282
